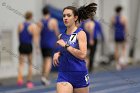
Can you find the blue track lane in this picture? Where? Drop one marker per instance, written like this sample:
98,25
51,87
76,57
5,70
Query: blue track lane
126,81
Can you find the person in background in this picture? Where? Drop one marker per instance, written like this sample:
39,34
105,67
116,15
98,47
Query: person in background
93,31
49,32
119,26
27,33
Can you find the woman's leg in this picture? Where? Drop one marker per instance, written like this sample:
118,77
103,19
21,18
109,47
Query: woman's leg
30,68
29,77
64,87
116,52
47,67
124,49
118,66
92,56
123,56
46,70
20,70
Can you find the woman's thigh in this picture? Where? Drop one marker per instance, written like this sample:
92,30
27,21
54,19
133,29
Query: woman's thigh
64,87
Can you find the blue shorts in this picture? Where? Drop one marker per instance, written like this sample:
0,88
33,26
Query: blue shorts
119,40
78,79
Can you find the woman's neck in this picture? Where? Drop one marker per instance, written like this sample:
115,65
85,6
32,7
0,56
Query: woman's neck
47,16
118,14
29,21
71,29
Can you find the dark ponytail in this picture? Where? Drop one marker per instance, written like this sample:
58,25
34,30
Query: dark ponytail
86,12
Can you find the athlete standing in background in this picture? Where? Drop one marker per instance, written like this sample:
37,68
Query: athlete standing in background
49,32
27,33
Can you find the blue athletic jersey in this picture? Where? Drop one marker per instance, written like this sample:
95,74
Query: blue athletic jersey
48,37
97,30
72,69
119,29
68,62
25,37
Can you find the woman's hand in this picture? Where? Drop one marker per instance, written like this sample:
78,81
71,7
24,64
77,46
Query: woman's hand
55,59
61,43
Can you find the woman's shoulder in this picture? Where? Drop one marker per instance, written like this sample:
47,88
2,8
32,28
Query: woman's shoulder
81,32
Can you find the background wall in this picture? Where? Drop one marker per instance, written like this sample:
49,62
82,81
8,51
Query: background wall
11,14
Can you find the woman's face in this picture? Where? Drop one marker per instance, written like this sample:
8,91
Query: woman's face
68,17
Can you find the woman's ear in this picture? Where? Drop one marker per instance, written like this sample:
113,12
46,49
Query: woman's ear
75,18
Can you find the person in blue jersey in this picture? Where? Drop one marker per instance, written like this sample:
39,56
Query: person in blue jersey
27,33
119,25
49,32
93,31
73,75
